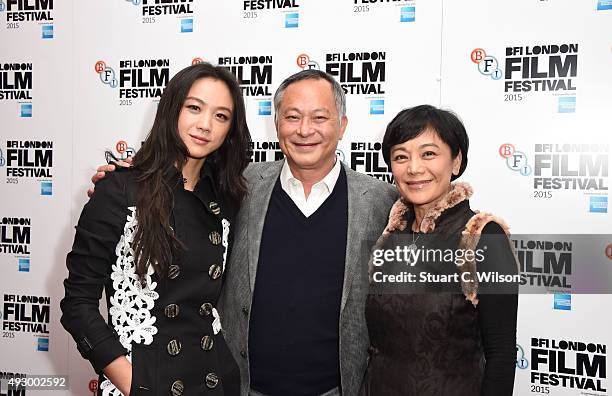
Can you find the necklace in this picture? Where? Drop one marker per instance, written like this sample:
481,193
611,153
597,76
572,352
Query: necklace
413,245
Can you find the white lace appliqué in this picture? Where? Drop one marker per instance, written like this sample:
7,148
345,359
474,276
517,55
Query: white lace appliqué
224,239
132,302
216,325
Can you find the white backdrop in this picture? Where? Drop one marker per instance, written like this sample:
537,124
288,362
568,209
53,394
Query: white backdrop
87,93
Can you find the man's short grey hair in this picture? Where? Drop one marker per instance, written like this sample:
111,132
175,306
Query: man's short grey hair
312,74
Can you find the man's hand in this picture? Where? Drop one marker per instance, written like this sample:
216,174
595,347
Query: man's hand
101,173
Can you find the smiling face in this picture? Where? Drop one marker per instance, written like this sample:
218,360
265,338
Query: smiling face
206,117
422,168
309,126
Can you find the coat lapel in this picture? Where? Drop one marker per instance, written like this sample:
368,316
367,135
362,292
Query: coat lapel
258,207
358,211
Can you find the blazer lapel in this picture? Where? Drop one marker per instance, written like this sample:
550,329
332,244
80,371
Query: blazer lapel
358,211
258,207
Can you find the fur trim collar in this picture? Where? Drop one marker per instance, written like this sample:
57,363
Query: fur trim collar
459,192
470,235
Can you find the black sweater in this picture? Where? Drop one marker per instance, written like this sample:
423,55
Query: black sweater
293,330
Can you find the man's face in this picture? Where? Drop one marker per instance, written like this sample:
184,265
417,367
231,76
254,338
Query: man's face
308,125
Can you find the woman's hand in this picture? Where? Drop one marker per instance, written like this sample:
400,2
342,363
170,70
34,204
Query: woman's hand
119,372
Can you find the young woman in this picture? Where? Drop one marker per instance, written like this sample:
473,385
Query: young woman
448,338
156,237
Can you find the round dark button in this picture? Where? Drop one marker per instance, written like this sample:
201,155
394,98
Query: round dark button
173,271
206,309
177,388
215,237
245,310
215,271
243,354
207,343
174,347
211,380
171,310
214,207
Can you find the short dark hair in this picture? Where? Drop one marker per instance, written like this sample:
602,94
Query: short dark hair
312,74
412,122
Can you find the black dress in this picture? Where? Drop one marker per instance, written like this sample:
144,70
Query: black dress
436,342
168,327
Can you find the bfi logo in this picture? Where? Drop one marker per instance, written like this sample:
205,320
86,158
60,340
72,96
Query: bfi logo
487,64
515,160
304,62
106,73
124,150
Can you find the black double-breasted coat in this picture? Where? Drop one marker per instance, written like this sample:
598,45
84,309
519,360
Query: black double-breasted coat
167,326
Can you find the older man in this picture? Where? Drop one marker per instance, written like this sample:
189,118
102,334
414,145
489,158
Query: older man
293,301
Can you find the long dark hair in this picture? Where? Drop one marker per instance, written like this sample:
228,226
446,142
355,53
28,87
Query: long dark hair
163,152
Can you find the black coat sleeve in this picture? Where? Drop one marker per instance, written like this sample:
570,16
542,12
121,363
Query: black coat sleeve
497,312
89,264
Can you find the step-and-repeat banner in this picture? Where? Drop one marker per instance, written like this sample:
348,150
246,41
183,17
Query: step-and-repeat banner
531,79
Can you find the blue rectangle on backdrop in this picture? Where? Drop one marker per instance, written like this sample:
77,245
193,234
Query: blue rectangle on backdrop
43,345
24,265
292,20
186,25
46,188
377,106
408,14
563,302
598,204
26,110
604,5
265,107
567,104
47,31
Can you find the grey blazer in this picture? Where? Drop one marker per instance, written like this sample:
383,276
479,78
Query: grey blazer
369,202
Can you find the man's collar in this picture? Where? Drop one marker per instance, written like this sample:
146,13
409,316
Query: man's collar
286,176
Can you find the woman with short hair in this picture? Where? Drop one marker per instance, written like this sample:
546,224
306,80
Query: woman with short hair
440,337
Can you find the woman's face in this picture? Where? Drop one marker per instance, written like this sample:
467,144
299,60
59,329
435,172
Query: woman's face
422,168
206,117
